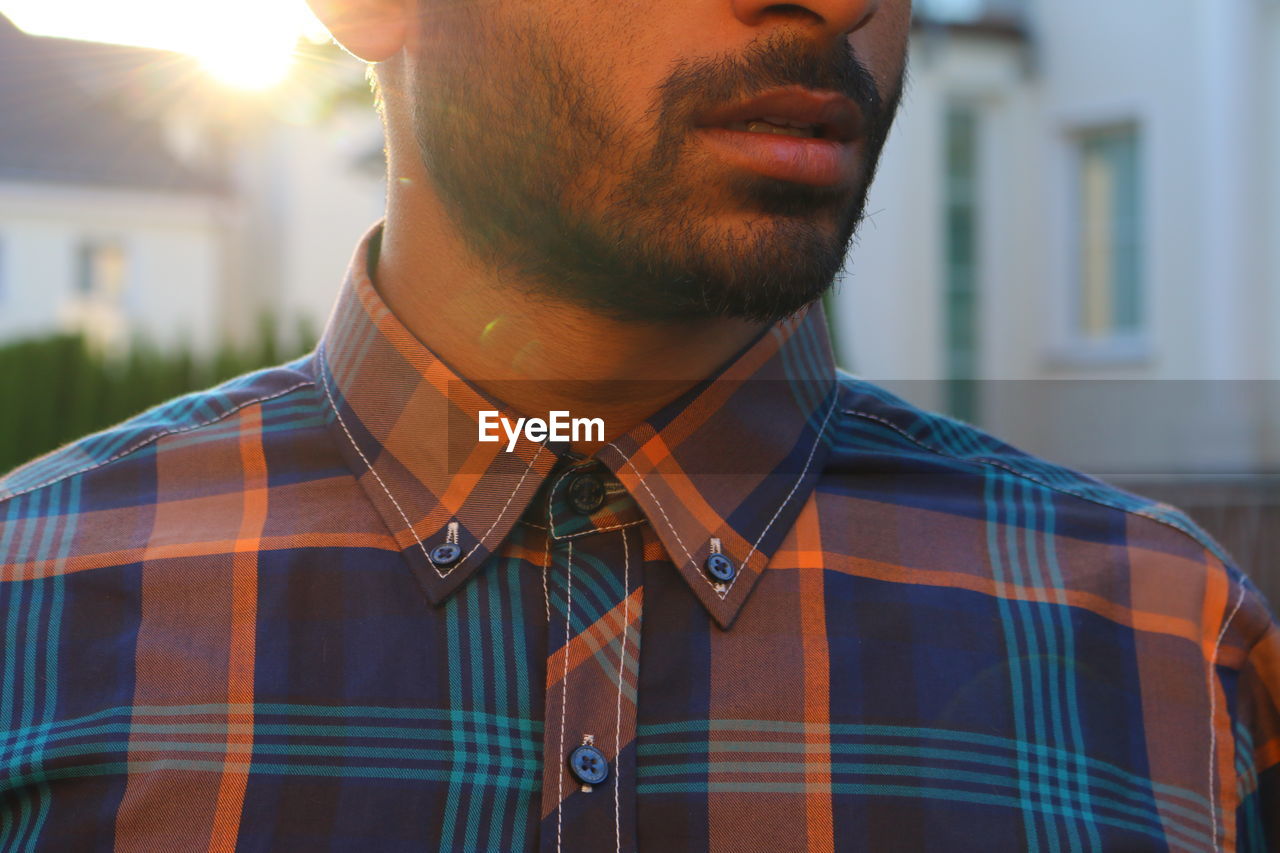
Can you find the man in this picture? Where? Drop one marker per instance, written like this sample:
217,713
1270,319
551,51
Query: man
366,601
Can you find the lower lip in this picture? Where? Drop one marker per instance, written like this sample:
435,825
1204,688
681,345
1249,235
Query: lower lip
797,159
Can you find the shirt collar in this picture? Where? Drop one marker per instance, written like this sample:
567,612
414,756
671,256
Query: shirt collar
726,468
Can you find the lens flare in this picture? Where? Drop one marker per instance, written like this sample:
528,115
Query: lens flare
246,44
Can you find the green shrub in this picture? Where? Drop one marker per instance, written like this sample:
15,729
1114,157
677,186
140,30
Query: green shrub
55,389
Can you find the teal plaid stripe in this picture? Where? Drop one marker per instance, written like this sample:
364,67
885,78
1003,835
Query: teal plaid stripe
33,626
489,668
1041,655
930,763
410,743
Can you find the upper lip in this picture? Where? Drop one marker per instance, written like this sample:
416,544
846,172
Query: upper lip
837,117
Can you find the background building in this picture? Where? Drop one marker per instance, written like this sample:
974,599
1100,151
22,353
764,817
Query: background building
1085,192
139,199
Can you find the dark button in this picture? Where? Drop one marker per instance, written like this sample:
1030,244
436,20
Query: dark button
586,493
446,555
720,567
589,765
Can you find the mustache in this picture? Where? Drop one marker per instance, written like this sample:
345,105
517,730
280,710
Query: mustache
782,59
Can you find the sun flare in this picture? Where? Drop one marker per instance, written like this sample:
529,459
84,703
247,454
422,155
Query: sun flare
245,44
256,64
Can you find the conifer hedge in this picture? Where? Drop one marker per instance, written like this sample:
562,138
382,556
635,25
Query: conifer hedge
55,389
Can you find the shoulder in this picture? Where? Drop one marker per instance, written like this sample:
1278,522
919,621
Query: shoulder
982,495
869,415
100,493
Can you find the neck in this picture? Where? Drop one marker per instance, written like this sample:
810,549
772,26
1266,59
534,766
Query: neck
536,355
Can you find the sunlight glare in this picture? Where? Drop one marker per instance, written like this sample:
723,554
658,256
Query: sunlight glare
258,62
246,44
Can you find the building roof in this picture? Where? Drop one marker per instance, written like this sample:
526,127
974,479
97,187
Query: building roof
72,115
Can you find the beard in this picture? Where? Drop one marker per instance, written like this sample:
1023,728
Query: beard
551,192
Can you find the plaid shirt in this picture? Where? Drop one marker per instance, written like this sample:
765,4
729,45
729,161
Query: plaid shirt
222,627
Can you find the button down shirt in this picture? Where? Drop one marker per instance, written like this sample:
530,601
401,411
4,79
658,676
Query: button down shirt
222,628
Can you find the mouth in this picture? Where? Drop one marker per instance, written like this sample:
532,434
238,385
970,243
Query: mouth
791,111
780,126
790,134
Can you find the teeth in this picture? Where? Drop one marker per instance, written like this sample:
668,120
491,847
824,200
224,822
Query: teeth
781,126
786,122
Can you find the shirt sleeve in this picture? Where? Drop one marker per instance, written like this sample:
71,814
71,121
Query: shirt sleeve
1256,724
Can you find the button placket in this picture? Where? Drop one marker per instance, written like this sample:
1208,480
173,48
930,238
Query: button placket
592,661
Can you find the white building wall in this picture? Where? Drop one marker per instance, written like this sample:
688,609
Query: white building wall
1270,178
1091,77
1207,281
1211,206
889,315
306,206
172,244
331,205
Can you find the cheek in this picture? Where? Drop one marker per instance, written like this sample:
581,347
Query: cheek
881,45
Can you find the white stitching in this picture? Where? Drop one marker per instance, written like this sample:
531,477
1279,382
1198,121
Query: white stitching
805,470
154,437
333,405
324,380
1213,731
657,502
564,691
983,460
622,660
725,593
584,532
551,519
546,566
506,505
598,530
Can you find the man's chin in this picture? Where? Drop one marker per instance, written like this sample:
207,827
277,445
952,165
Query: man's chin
817,205
752,299
733,264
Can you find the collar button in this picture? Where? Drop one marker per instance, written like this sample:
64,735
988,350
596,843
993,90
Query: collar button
720,567
586,493
445,556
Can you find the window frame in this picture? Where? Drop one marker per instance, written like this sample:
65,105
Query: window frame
1068,344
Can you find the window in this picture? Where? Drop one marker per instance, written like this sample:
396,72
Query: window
98,290
100,271
1109,248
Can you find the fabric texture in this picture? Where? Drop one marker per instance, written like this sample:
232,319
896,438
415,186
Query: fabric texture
221,628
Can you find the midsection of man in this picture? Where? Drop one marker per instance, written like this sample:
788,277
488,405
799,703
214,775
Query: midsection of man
772,607
231,624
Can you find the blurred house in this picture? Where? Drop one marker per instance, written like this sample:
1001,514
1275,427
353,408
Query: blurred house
1078,199
137,197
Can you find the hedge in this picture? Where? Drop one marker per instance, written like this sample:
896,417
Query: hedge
55,389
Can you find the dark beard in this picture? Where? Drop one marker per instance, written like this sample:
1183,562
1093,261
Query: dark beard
519,149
